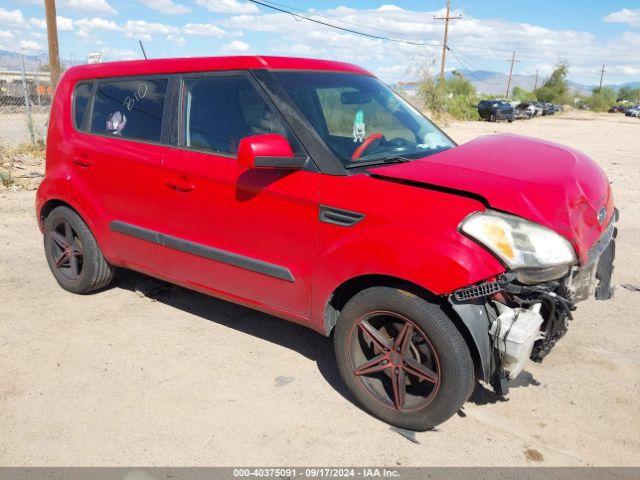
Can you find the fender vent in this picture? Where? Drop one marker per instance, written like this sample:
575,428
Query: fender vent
336,216
477,291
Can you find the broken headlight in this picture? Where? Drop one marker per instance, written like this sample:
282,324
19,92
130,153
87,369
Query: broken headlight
536,253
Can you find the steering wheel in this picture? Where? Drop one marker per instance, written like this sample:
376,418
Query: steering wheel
366,144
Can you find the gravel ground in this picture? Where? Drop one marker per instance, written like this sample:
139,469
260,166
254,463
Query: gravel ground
150,374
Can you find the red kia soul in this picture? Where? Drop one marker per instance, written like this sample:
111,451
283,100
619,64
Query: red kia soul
309,190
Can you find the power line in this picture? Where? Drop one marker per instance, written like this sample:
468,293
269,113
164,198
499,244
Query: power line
295,9
466,69
349,30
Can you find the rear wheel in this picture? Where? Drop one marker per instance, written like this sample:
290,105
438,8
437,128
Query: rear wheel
73,254
493,117
402,358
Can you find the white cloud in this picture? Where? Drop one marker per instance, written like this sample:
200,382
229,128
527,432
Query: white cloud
88,6
481,44
232,7
96,23
177,39
203,29
30,45
64,24
11,18
168,7
6,34
626,15
111,54
142,30
236,46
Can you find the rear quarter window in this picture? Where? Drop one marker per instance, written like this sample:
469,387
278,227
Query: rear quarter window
129,108
81,98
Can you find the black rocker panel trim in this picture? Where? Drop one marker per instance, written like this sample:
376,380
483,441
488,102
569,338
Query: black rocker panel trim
203,251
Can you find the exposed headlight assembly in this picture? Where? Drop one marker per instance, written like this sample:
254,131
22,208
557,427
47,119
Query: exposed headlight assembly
536,253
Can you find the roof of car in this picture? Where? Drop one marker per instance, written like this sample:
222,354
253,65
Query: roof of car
202,64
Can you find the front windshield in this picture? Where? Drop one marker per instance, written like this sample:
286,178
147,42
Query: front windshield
361,119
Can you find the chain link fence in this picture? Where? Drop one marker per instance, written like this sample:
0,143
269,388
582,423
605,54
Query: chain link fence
25,100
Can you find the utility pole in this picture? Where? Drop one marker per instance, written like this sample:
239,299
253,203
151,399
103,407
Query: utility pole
535,87
601,75
513,60
52,34
446,19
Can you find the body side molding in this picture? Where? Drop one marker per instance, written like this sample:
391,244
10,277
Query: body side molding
204,251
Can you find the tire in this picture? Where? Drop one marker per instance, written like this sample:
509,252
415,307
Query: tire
492,118
73,254
435,345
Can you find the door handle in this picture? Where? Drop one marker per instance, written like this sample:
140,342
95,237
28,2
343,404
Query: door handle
180,185
82,159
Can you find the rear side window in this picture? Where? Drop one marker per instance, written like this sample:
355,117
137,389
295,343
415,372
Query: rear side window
219,111
129,108
81,97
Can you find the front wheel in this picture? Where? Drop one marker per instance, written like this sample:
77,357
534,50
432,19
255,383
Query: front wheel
402,358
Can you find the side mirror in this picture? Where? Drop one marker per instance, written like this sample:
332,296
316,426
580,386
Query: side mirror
268,151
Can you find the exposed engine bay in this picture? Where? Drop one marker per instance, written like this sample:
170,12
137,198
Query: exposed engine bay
526,321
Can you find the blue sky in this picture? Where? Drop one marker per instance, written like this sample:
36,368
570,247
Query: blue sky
587,33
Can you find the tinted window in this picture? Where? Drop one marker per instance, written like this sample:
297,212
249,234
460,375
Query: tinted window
129,108
219,111
81,96
348,110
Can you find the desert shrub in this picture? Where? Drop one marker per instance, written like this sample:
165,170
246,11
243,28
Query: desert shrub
601,99
457,98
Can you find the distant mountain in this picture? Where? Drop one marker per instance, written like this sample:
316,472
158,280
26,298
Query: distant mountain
11,61
494,83
628,84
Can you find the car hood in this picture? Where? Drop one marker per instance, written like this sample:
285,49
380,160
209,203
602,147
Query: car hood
544,182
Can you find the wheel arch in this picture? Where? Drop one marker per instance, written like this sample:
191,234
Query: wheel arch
50,205
349,288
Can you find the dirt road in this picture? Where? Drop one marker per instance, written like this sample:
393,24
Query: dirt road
150,374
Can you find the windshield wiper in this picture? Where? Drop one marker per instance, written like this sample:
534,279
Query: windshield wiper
379,161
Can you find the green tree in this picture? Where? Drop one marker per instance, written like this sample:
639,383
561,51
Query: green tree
555,89
459,85
433,95
522,95
461,99
457,97
601,99
629,93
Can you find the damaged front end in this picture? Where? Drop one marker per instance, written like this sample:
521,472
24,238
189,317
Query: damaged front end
513,320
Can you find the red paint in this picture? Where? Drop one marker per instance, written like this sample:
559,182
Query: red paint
408,232
268,145
545,182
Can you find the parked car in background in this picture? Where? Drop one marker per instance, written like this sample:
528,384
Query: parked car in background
524,110
543,108
617,109
539,109
309,190
495,110
633,111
